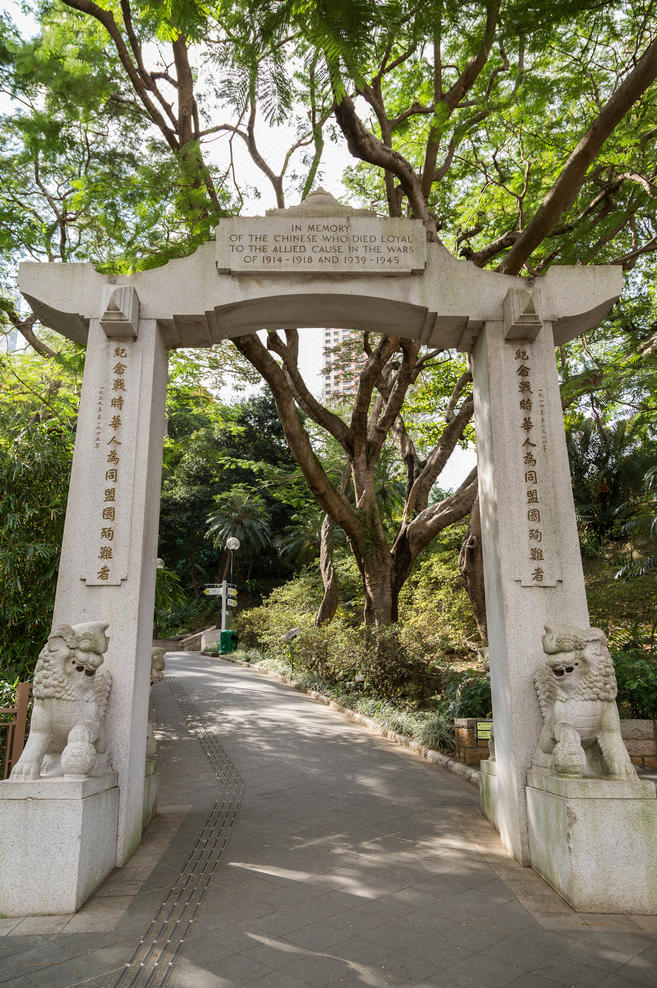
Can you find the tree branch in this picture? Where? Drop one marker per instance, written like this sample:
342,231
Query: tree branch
332,501
364,145
571,178
106,18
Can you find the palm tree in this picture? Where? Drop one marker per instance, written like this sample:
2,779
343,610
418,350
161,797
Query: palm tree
641,522
607,463
243,515
300,540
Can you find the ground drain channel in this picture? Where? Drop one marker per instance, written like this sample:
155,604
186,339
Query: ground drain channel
159,948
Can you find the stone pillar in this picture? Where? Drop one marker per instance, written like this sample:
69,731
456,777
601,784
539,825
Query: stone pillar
108,560
532,565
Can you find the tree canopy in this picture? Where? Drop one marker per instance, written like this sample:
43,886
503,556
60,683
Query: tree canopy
521,134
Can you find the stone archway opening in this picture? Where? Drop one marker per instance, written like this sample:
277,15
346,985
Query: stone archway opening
317,264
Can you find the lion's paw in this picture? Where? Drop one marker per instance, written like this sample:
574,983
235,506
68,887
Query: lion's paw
26,768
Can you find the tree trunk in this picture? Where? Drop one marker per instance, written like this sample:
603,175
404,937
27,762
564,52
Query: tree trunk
377,577
471,564
329,604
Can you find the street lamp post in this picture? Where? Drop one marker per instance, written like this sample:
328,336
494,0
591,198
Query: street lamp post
232,544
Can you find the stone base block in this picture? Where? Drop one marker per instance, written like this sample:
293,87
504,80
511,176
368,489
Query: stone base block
488,791
57,842
595,841
151,790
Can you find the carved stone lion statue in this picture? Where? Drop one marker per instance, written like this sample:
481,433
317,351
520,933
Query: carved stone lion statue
577,694
70,697
158,664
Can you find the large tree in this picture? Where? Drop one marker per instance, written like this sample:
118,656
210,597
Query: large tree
518,134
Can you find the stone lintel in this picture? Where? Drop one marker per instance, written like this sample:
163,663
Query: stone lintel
120,312
195,305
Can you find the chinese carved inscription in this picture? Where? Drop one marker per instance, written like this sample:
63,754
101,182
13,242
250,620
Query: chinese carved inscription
106,549
537,563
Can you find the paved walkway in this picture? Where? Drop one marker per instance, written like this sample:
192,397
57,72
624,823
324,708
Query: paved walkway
308,851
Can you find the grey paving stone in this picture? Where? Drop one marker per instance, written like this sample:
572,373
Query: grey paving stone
31,959
478,969
360,951
571,974
637,945
316,936
17,945
186,974
244,969
407,968
531,980
521,954
279,979
352,862
69,973
639,969
373,976
316,970
604,957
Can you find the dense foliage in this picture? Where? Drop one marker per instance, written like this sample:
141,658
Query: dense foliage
112,138
37,430
108,148
430,660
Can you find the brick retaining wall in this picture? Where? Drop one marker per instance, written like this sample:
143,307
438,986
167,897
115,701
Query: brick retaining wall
467,748
640,738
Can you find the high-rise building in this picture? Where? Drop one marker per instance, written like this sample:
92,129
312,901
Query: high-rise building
343,359
9,341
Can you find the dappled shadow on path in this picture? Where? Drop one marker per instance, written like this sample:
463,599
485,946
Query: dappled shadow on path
354,861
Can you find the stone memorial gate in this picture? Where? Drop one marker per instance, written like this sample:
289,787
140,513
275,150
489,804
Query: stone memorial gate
319,264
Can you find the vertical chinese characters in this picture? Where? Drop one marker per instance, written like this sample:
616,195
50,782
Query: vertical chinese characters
532,475
109,511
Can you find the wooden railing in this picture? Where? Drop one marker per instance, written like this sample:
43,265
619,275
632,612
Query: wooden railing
13,720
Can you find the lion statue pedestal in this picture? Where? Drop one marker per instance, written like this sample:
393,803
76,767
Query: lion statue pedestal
592,822
59,809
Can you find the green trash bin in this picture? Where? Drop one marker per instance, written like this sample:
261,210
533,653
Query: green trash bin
227,641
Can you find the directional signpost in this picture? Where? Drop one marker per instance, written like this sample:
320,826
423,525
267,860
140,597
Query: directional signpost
228,596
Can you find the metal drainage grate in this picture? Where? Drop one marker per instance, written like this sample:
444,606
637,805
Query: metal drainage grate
159,948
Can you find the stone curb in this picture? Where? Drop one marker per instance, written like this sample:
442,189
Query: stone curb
464,772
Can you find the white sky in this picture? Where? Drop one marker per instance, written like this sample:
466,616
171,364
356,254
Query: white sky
273,143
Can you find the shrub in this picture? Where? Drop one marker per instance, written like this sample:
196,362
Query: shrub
7,699
468,695
624,609
386,662
437,730
636,674
435,606
290,606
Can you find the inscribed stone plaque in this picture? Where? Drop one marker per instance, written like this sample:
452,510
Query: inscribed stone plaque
340,244
111,479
